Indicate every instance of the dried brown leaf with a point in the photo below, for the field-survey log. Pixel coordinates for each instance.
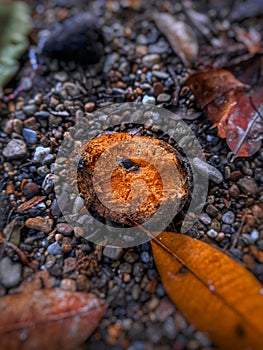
(180, 36)
(231, 108)
(48, 319)
(210, 85)
(214, 292)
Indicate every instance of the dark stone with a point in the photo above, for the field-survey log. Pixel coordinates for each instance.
(78, 38)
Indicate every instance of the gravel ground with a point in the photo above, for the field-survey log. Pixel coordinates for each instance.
(137, 67)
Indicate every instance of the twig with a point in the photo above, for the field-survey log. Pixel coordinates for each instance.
(237, 234)
(176, 85)
(18, 251)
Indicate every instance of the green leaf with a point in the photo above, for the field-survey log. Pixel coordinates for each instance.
(15, 25)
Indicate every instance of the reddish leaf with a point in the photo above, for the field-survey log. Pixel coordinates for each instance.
(48, 319)
(248, 71)
(208, 86)
(240, 118)
(218, 110)
(228, 105)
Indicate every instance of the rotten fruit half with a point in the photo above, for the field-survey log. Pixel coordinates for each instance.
(123, 177)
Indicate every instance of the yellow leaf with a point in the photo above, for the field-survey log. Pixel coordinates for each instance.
(214, 292)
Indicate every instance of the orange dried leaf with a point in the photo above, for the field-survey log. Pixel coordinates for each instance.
(48, 319)
(214, 292)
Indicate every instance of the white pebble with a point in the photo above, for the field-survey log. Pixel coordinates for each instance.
(212, 233)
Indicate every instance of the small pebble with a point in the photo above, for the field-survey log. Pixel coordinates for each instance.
(205, 218)
(27, 83)
(220, 236)
(18, 126)
(82, 283)
(58, 237)
(234, 191)
(113, 253)
(169, 328)
(15, 149)
(136, 291)
(54, 249)
(145, 257)
(212, 233)
(40, 153)
(226, 228)
(158, 89)
(159, 47)
(237, 253)
(78, 231)
(89, 106)
(48, 183)
(61, 76)
(163, 98)
(48, 159)
(42, 171)
(10, 273)
(39, 223)
(64, 228)
(211, 210)
(206, 169)
(151, 60)
(148, 99)
(228, 217)
(164, 309)
(160, 75)
(248, 185)
(260, 244)
(30, 110)
(30, 136)
(30, 190)
(68, 284)
(20, 115)
(254, 235)
(42, 115)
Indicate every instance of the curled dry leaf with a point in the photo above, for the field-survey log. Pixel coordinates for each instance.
(231, 108)
(180, 36)
(214, 292)
(48, 319)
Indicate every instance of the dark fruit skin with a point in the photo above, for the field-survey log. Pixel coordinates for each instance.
(78, 39)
